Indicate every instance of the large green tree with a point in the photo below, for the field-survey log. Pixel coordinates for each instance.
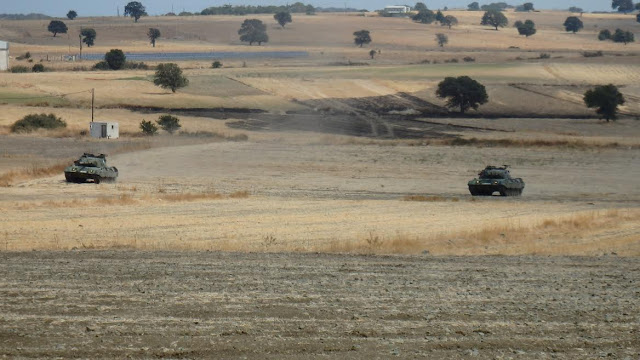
(72, 14)
(253, 30)
(624, 6)
(88, 36)
(169, 76)
(474, 6)
(57, 27)
(362, 37)
(462, 92)
(526, 28)
(283, 18)
(424, 17)
(527, 6)
(573, 24)
(420, 6)
(494, 18)
(153, 34)
(135, 9)
(621, 36)
(606, 98)
(449, 21)
(115, 58)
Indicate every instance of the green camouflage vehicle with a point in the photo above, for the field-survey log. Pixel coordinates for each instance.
(90, 167)
(496, 179)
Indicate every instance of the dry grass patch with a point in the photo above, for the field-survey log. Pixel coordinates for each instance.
(10, 178)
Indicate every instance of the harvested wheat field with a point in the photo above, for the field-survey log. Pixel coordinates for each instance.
(318, 206)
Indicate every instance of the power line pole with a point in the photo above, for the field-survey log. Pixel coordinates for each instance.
(93, 97)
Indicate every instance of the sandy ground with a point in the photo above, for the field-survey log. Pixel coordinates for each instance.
(328, 197)
(278, 306)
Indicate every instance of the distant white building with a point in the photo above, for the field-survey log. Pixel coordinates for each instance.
(4, 56)
(397, 9)
(104, 130)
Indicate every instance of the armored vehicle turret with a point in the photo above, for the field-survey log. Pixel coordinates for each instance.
(90, 167)
(496, 179)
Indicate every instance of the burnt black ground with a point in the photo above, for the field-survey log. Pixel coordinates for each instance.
(117, 304)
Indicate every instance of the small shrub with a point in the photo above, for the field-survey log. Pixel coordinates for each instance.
(26, 55)
(37, 121)
(79, 68)
(148, 128)
(169, 123)
(216, 64)
(38, 68)
(592, 53)
(135, 66)
(102, 65)
(468, 59)
(544, 56)
(19, 69)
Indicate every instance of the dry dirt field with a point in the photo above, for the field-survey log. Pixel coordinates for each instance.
(318, 207)
(87, 304)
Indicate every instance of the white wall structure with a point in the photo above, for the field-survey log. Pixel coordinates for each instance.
(397, 9)
(104, 130)
(4, 56)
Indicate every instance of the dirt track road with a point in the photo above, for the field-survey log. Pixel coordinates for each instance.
(228, 305)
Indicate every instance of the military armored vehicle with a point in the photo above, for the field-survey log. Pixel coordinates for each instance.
(496, 179)
(90, 167)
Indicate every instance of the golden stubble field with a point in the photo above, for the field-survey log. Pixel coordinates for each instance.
(299, 184)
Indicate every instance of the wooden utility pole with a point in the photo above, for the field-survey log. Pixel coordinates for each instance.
(93, 97)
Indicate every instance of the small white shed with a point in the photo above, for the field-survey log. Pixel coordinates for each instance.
(4, 56)
(104, 130)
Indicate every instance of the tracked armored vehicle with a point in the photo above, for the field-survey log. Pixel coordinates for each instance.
(90, 167)
(496, 179)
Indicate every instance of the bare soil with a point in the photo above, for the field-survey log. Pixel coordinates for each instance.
(94, 304)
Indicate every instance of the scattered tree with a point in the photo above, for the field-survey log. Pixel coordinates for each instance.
(439, 16)
(638, 6)
(527, 6)
(623, 6)
(442, 39)
(526, 28)
(216, 64)
(253, 31)
(169, 123)
(606, 98)
(115, 58)
(494, 18)
(72, 14)
(463, 92)
(575, 9)
(169, 76)
(88, 36)
(362, 37)
(573, 24)
(153, 34)
(621, 36)
(372, 53)
(474, 6)
(638, 17)
(148, 128)
(604, 34)
(38, 121)
(57, 27)
(282, 18)
(449, 21)
(420, 6)
(424, 17)
(135, 9)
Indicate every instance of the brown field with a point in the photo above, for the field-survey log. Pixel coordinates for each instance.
(318, 206)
